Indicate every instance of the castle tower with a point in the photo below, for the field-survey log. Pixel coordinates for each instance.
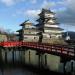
(48, 24)
(28, 33)
(49, 27)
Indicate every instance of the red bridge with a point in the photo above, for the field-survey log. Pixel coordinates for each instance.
(43, 47)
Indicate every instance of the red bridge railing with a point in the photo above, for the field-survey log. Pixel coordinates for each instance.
(62, 49)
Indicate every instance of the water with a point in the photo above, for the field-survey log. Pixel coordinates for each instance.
(21, 71)
(16, 71)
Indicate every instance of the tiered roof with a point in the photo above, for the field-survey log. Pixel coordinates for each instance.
(27, 22)
(45, 11)
(43, 20)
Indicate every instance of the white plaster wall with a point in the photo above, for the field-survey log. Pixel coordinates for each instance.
(52, 31)
(67, 67)
(49, 15)
(26, 57)
(3, 55)
(31, 38)
(49, 25)
(33, 58)
(9, 56)
(52, 62)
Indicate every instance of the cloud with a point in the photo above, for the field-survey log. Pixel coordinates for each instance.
(67, 16)
(65, 11)
(2, 29)
(32, 13)
(46, 4)
(18, 13)
(8, 2)
(33, 1)
(27, 14)
(12, 2)
(71, 4)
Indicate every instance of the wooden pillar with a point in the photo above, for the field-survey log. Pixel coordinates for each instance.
(1, 62)
(13, 55)
(23, 55)
(72, 68)
(5, 56)
(45, 60)
(74, 53)
(64, 64)
(63, 60)
(19, 54)
(29, 57)
(39, 57)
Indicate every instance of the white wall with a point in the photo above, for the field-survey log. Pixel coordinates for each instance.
(31, 38)
(49, 15)
(52, 62)
(48, 25)
(33, 57)
(52, 31)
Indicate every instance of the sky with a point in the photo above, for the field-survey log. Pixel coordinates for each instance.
(14, 12)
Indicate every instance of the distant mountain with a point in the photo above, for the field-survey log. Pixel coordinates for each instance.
(70, 33)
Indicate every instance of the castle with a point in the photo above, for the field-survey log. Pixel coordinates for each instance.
(47, 29)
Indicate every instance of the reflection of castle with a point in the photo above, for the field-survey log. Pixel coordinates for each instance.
(46, 28)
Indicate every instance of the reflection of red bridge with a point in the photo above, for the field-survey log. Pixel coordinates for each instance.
(42, 47)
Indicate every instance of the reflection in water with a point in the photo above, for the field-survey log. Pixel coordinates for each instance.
(16, 71)
(16, 57)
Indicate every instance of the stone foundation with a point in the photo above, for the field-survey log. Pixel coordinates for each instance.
(54, 41)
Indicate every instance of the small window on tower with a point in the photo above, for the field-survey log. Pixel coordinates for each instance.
(34, 37)
(25, 37)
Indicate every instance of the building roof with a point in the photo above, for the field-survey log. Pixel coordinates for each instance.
(53, 28)
(46, 10)
(19, 30)
(52, 23)
(50, 33)
(26, 22)
(32, 29)
(31, 34)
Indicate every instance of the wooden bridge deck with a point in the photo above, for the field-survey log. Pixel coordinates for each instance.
(60, 50)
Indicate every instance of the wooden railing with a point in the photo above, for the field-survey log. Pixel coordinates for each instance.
(44, 47)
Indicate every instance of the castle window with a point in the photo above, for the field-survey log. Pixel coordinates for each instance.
(50, 36)
(34, 37)
(25, 37)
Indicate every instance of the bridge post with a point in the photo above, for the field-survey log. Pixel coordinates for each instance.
(72, 64)
(72, 68)
(1, 62)
(39, 57)
(13, 55)
(45, 60)
(6, 55)
(23, 55)
(24, 52)
(64, 64)
(63, 60)
(20, 54)
(74, 52)
(29, 57)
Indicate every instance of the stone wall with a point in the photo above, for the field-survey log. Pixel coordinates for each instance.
(54, 41)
